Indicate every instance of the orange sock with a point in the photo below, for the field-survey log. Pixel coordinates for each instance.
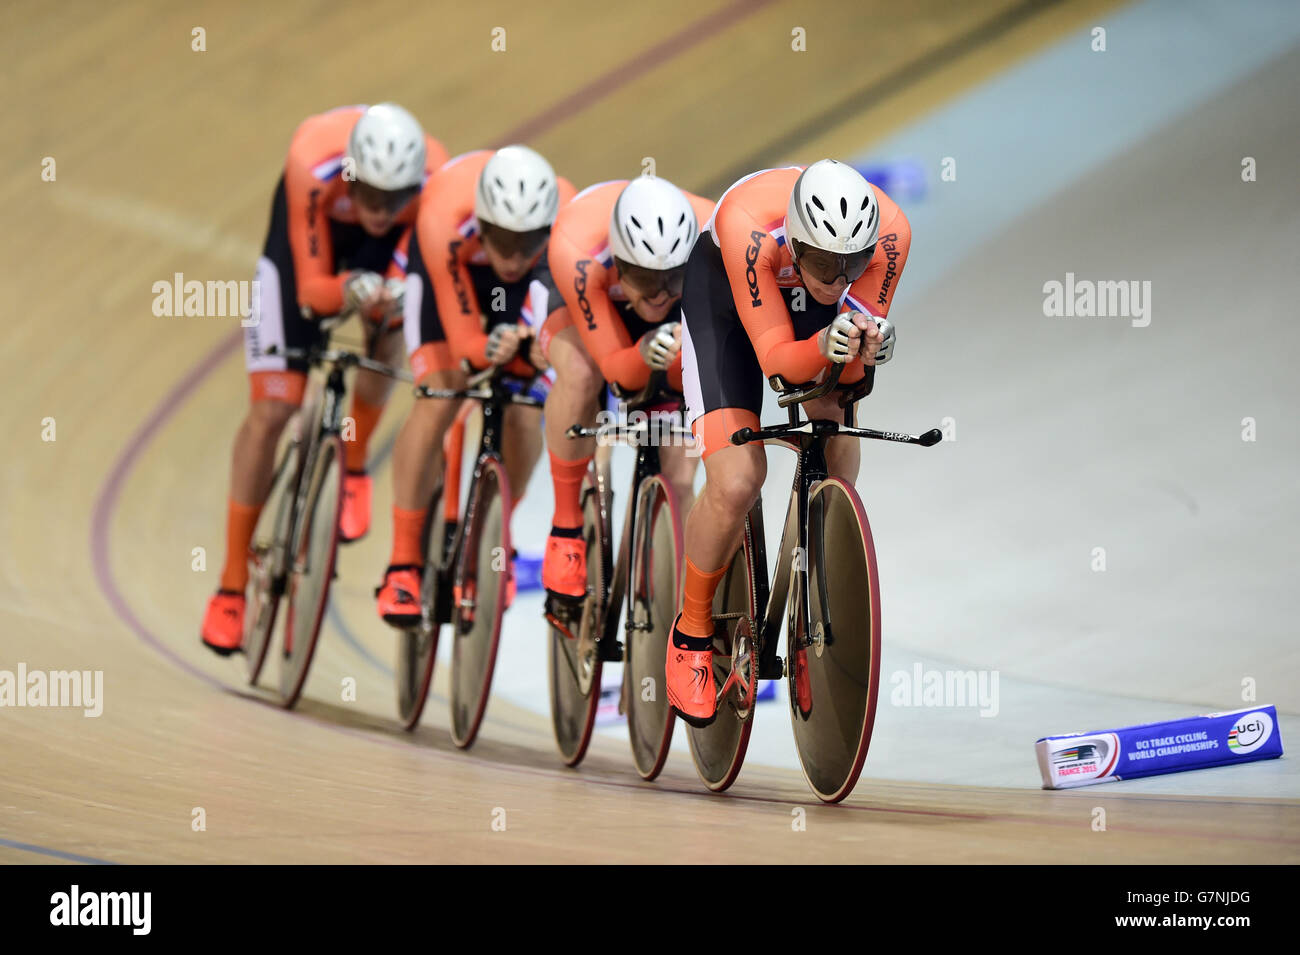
(407, 528)
(366, 416)
(697, 603)
(567, 477)
(241, 521)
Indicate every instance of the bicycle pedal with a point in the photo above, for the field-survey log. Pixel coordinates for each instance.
(609, 651)
(775, 671)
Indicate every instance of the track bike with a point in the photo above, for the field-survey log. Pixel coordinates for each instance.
(467, 562)
(647, 573)
(826, 588)
(296, 541)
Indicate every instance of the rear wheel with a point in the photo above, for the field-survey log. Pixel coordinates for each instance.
(479, 599)
(655, 587)
(417, 647)
(268, 560)
(835, 667)
(575, 667)
(316, 544)
(719, 748)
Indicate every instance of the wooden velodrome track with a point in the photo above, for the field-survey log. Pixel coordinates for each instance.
(165, 161)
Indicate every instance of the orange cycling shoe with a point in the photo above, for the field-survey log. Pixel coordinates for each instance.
(355, 520)
(223, 624)
(564, 568)
(689, 677)
(399, 595)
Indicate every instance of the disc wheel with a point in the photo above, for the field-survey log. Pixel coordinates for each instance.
(655, 586)
(479, 599)
(575, 667)
(834, 669)
(316, 544)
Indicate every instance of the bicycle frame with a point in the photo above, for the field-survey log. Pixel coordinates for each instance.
(788, 588)
(646, 466)
(489, 388)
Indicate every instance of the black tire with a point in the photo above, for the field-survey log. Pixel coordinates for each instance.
(479, 599)
(719, 748)
(268, 559)
(655, 581)
(574, 666)
(417, 647)
(315, 547)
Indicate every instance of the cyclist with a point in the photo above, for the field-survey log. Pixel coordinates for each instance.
(484, 221)
(797, 271)
(340, 216)
(617, 256)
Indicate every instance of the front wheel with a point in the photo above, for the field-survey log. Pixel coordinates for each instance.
(575, 666)
(655, 587)
(417, 647)
(719, 748)
(316, 544)
(268, 558)
(834, 668)
(479, 592)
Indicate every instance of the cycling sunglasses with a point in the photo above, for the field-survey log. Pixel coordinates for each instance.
(827, 267)
(389, 200)
(651, 282)
(509, 243)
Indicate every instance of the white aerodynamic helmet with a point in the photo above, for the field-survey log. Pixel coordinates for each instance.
(832, 207)
(517, 191)
(387, 148)
(653, 225)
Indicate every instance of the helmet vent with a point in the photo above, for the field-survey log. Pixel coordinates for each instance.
(830, 228)
(844, 207)
(865, 200)
(635, 222)
(661, 225)
(818, 203)
(855, 229)
(676, 243)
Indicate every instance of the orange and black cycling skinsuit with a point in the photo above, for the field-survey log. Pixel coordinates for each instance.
(582, 273)
(451, 286)
(314, 237)
(747, 315)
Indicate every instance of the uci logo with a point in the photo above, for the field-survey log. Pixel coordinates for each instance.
(1250, 733)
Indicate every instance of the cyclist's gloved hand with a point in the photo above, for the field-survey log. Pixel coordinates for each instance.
(840, 340)
(396, 289)
(503, 343)
(878, 345)
(660, 346)
(362, 291)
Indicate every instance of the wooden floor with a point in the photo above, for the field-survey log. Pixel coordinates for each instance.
(164, 161)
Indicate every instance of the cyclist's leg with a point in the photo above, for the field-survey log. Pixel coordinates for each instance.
(417, 453)
(276, 392)
(574, 399)
(723, 386)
